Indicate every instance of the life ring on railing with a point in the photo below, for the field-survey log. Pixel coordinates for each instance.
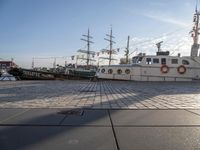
(181, 69)
(164, 69)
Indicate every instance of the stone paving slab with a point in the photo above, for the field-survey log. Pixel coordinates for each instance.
(89, 117)
(35, 129)
(158, 138)
(34, 117)
(197, 111)
(56, 138)
(6, 114)
(154, 118)
(100, 95)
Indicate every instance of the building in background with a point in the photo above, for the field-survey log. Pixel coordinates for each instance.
(7, 64)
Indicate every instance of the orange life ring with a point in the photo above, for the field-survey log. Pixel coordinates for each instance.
(181, 69)
(164, 69)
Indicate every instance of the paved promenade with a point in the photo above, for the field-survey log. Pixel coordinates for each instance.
(100, 95)
(104, 115)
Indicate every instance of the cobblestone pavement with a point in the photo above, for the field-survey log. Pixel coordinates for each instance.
(100, 95)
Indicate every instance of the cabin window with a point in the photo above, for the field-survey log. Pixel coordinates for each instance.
(140, 59)
(119, 71)
(110, 71)
(163, 61)
(127, 71)
(156, 61)
(185, 62)
(148, 61)
(174, 61)
(103, 70)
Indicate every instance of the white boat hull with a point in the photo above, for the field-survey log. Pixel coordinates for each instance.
(149, 74)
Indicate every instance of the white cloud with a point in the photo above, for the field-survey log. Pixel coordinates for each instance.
(174, 43)
(157, 3)
(166, 19)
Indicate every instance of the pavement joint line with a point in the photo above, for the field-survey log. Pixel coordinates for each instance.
(63, 119)
(113, 131)
(14, 116)
(40, 125)
(158, 126)
(192, 112)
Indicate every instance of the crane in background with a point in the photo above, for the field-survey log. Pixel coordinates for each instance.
(48, 58)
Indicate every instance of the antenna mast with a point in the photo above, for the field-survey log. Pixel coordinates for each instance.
(195, 34)
(87, 52)
(33, 63)
(127, 50)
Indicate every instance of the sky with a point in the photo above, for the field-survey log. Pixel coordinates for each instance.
(53, 28)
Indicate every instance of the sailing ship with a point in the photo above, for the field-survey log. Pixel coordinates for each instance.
(88, 70)
(159, 67)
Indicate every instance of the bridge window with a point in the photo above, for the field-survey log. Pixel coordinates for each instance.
(127, 71)
(148, 61)
(119, 71)
(185, 62)
(140, 60)
(110, 71)
(163, 61)
(174, 61)
(137, 60)
(103, 70)
(156, 61)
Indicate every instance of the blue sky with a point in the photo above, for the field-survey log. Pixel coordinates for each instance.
(45, 28)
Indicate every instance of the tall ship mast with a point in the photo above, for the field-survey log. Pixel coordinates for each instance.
(109, 51)
(88, 52)
(195, 34)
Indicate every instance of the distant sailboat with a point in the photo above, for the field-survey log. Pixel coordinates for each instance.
(7, 77)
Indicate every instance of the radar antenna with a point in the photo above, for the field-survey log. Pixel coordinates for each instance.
(159, 45)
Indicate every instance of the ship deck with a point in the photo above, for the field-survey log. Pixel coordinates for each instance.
(114, 115)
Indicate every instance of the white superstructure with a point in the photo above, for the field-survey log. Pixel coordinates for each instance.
(160, 67)
(154, 68)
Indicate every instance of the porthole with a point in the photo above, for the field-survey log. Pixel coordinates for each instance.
(127, 71)
(103, 70)
(110, 71)
(119, 71)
